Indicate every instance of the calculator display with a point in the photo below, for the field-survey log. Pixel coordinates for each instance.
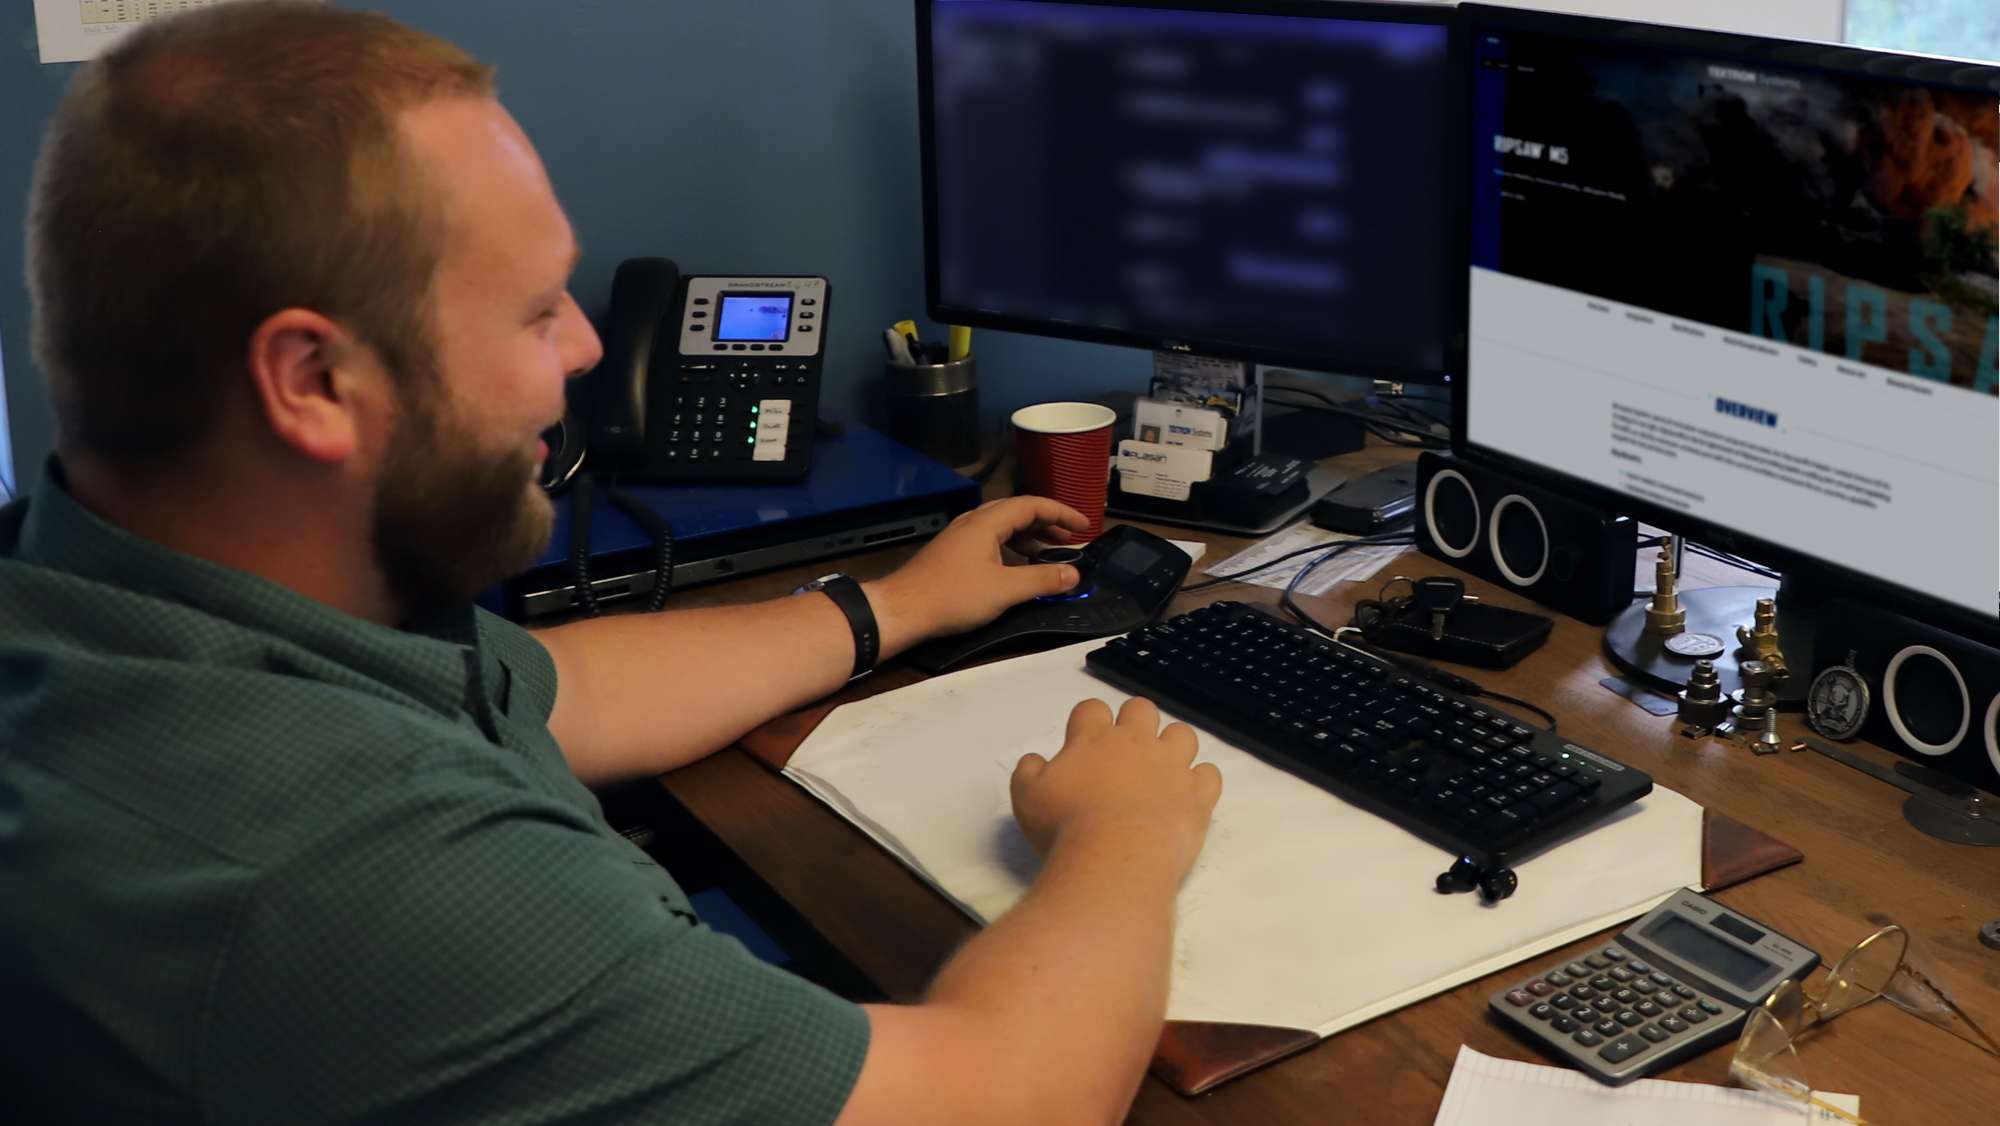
(1678, 935)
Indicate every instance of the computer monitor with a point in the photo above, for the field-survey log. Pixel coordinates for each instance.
(1258, 181)
(1744, 289)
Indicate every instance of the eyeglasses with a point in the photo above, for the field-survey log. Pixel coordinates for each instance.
(1767, 1055)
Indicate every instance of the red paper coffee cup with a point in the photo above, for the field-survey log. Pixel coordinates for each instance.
(1063, 451)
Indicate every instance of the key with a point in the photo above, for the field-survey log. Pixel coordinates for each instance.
(1440, 595)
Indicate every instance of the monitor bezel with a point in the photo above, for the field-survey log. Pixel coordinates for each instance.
(1456, 165)
(1823, 574)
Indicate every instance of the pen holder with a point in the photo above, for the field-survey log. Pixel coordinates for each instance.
(934, 409)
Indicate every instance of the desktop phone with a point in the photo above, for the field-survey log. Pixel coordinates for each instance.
(1674, 984)
(709, 377)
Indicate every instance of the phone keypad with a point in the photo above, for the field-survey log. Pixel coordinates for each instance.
(727, 410)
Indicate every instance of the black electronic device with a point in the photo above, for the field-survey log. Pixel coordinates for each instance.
(1375, 503)
(1128, 575)
(1269, 182)
(1929, 695)
(1680, 312)
(1676, 983)
(1528, 538)
(1443, 765)
(708, 378)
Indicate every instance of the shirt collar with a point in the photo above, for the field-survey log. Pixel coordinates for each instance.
(428, 662)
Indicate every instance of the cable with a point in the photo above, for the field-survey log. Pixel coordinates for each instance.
(579, 545)
(1736, 561)
(663, 544)
(1372, 422)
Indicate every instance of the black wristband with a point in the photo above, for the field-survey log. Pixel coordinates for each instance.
(853, 602)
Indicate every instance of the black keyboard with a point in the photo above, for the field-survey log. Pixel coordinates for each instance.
(1440, 764)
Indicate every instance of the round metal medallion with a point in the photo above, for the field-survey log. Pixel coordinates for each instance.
(1838, 702)
(1694, 645)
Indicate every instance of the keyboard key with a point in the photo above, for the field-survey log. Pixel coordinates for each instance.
(1622, 1049)
(1653, 1032)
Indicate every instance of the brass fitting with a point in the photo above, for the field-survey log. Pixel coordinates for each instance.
(1760, 640)
(1666, 616)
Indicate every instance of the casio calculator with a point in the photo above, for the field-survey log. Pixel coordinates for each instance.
(1674, 984)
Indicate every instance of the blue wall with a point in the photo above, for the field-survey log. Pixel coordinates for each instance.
(774, 136)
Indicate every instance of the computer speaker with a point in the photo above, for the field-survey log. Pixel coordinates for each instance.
(1561, 553)
(1933, 696)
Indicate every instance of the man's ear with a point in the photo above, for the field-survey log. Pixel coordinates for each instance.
(303, 367)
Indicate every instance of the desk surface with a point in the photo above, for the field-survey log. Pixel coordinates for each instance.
(1863, 865)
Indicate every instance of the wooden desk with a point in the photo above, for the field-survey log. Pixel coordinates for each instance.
(1863, 865)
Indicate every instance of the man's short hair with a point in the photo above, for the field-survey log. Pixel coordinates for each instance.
(211, 170)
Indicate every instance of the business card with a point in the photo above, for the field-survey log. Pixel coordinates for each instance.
(1153, 469)
(1175, 424)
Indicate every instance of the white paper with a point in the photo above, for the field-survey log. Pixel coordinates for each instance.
(1353, 565)
(1195, 549)
(1303, 911)
(1485, 1091)
(74, 30)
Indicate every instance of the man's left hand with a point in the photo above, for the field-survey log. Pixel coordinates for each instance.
(959, 580)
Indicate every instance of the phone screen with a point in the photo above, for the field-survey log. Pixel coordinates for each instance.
(754, 316)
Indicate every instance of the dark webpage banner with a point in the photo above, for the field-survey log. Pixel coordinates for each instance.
(1854, 218)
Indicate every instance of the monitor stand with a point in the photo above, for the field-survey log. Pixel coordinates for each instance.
(1716, 612)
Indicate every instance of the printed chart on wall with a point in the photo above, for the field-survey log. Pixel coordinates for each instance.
(74, 30)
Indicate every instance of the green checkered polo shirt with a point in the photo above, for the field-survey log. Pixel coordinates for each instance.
(262, 861)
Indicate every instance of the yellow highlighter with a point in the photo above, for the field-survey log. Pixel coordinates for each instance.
(958, 342)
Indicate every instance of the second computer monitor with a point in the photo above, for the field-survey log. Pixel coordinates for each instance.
(1263, 181)
(1743, 288)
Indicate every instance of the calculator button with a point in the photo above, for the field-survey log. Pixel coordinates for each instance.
(1652, 1032)
(1607, 1027)
(1542, 1011)
(1558, 979)
(1666, 999)
(1710, 1007)
(1630, 1019)
(1693, 1015)
(1588, 1038)
(1647, 1009)
(1638, 967)
(1604, 1005)
(1541, 988)
(1519, 998)
(1614, 953)
(1620, 973)
(1684, 991)
(1603, 983)
(1577, 969)
(1597, 961)
(1622, 1049)
(1673, 1024)
(1563, 1024)
(1563, 1001)
(1582, 992)
(1660, 979)
(1625, 996)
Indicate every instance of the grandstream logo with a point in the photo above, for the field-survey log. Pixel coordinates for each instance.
(1745, 412)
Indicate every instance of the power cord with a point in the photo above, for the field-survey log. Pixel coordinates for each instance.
(1398, 537)
(1385, 427)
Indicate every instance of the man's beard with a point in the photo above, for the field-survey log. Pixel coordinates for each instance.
(451, 517)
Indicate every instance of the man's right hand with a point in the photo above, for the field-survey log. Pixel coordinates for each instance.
(1127, 777)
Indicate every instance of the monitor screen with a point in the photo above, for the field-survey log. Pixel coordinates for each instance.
(1250, 184)
(754, 316)
(1746, 284)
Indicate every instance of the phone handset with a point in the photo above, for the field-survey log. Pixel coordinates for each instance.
(643, 296)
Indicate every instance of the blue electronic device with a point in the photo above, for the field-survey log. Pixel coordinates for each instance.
(864, 490)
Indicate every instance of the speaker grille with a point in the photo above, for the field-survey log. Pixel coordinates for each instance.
(1451, 508)
(1520, 540)
(1925, 698)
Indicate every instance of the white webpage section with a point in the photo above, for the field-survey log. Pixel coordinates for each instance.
(1890, 474)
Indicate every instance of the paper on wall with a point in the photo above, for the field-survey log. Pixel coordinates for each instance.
(74, 30)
